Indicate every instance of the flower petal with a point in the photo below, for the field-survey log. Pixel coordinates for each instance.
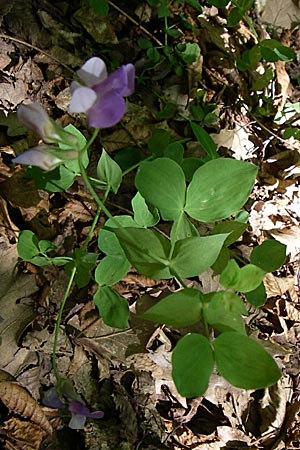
(82, 100)
(34, 117)
(93, 71)
(39, 157)
(77, 422)
(78, 408)
(107, 111)
(130, 73)
(120, 81)
(51, 399)
(95, 415)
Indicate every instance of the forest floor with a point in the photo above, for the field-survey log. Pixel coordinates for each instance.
(126, 373)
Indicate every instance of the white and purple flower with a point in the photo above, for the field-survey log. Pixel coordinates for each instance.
(102, 96)
(76, 407)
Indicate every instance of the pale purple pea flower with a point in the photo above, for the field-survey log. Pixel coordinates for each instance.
(35, 118)
(77, 408)
(46, 157)
(102, 97)
(80, 413)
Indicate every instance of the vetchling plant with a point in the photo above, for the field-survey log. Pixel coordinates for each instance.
(184, 192)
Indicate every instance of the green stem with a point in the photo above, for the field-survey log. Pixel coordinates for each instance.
(95, 221)
(179, 279)
(235, 256)
(166, 34)
(92, 190)
(94, 135)
(95, 195)
(58, 322)
(136, 165)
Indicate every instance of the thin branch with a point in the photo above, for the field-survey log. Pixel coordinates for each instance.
(144, 30)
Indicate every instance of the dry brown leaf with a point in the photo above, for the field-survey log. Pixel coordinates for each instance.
(20, 402)
(77, 210)
(289, 237)
(21, 435)
(280, 13)
(284, 81)
(22, 193)
(277, 285)
(140, 280)
(15, 315)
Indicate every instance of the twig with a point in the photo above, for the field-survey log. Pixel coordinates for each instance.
(5, 36)
(144, 30)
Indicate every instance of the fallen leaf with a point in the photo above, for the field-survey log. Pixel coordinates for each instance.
(19, 401)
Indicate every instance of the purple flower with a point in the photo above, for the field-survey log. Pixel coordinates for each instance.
(102, 97)
(46, 157)
(34, 117)
(77, 408)
(79, 414)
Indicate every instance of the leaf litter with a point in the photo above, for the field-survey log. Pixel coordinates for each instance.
(128, 372)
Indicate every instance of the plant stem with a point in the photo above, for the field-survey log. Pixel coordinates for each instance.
(136, 165)
(183, 284)
(92, 190)
(95, 221)
(94, 135)
(58, 322)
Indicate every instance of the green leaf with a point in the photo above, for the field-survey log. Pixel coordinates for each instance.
(182, 228)
(73, 165)
(224, 310)
(194, 255)
(56, 180)
(236, 14)
(195, 4)
(263, 80)
(189, 52)
(41, 261)
(144, 43)
(109, 244)
(269, 256)
(142, 214)
(162, 183)
(60, 260)
(163, 10)
(146, 250)
(177, 310)
(272, 50)
(109, 171)
(205, 140)
(27, 245)
(174, 151)
(234, 17)
(84, 262)
(219, 3)
(153, 54)
(244, 362)
(192, 365)
(222, 260)
(159, 141)
(111, 269)
(100, 7)
(189, 166)
(236, 229)
(219, 188)
(258, 296)
(45, 246)
(244, 279)
(112, 307)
